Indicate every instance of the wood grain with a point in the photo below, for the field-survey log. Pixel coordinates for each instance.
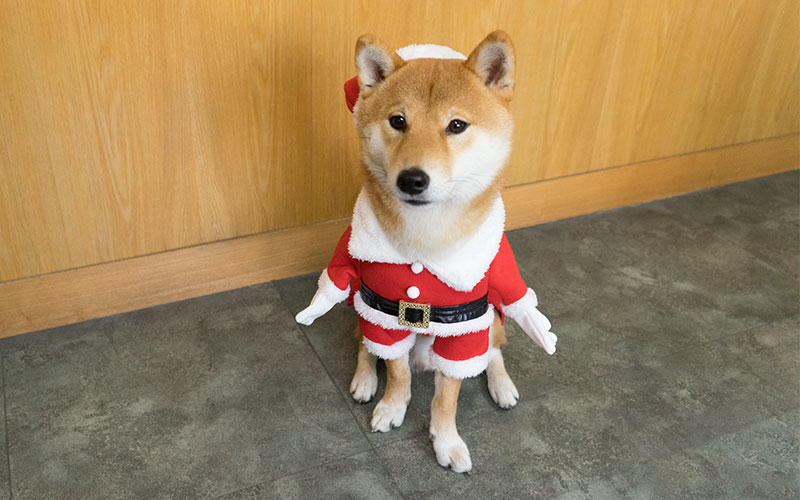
(131, 128)
(103, 289)
(70, 296)
(564, 197)
(137, 127)
(599, 84)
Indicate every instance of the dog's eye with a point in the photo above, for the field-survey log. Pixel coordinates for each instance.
(397, 122)
(457, 126)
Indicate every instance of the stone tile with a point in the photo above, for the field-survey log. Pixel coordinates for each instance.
(187, 400)
(770, 352)
(333, 338)
(634, 434)
(701, 394)
(696, 395)
(499, 469)
(759, 461)
(708, 471)
(585, 441)
(360, 476)
(762, 216)
(649, 282)
(770, 451)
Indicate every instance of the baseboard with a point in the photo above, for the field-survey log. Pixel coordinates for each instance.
(557, 199)
(71, 296)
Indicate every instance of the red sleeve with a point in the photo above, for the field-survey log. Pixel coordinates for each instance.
(342, 267)
(505, 282)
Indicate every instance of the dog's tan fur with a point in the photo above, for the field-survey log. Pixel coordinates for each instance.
(430, 93)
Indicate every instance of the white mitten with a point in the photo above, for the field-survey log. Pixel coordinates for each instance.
(532, 322)
(327, 296)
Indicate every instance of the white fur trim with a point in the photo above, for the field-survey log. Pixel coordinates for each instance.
(388, 321)
(368, 242)
(460, 369)
(461, 266)
(393, 351)
(329, 289)
(518, 308)
(430, 51)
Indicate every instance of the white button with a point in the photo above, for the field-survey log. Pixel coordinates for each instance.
(416, 267)
(412, 292)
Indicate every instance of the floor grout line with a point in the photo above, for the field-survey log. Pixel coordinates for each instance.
(278, 478)
(5, 423)
(333, 460)
(344, 398)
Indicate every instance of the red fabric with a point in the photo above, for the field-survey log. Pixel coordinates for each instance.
(383, 336)
(462, 347)
(342, 269)
(351, 90)
(507, 285)
(458, 348)
(502, 281)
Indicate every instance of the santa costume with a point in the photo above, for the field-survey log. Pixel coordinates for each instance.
(449, 297)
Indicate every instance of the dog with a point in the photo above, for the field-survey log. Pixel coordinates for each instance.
(425, 260)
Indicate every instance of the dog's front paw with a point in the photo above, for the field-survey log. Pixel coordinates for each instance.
(503, 391)
(451, 451)
(385, 416)
(364, 385)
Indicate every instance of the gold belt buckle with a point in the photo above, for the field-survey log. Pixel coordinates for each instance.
(426, 314)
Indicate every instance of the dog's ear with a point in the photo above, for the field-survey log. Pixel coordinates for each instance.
(375, 61)
(493, 61)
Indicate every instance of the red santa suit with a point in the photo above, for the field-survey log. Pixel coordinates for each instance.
(482, 264)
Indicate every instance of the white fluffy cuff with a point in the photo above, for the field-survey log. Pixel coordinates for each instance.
(460, 369)
(516, 309)
(393, 351)
(329, 290)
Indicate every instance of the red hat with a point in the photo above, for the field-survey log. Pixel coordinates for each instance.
(351, 90)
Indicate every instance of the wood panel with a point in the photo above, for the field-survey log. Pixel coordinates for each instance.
(76, 295)
(599, 83)
(140, 126)
(556, 199)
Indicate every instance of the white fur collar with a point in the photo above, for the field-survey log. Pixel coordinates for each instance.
(461, 267)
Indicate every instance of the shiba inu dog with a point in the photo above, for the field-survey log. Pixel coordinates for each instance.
(425, 260)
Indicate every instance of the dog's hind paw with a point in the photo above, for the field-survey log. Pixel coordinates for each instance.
(452, 452)
(420, 358)
(364, 386)
(386, 416)
(503, 391)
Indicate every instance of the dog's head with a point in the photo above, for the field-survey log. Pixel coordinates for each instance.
(435, 131)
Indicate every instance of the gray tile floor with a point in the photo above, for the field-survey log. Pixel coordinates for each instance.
(677, 376)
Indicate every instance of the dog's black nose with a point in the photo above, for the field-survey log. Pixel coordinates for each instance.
(413, 180)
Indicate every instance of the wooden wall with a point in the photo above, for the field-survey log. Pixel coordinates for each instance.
(134, 127)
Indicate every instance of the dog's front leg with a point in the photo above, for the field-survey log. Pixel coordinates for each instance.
(391, 409)
(365, 380)
(451, 451)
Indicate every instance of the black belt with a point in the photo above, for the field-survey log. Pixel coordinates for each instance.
(420, 315)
